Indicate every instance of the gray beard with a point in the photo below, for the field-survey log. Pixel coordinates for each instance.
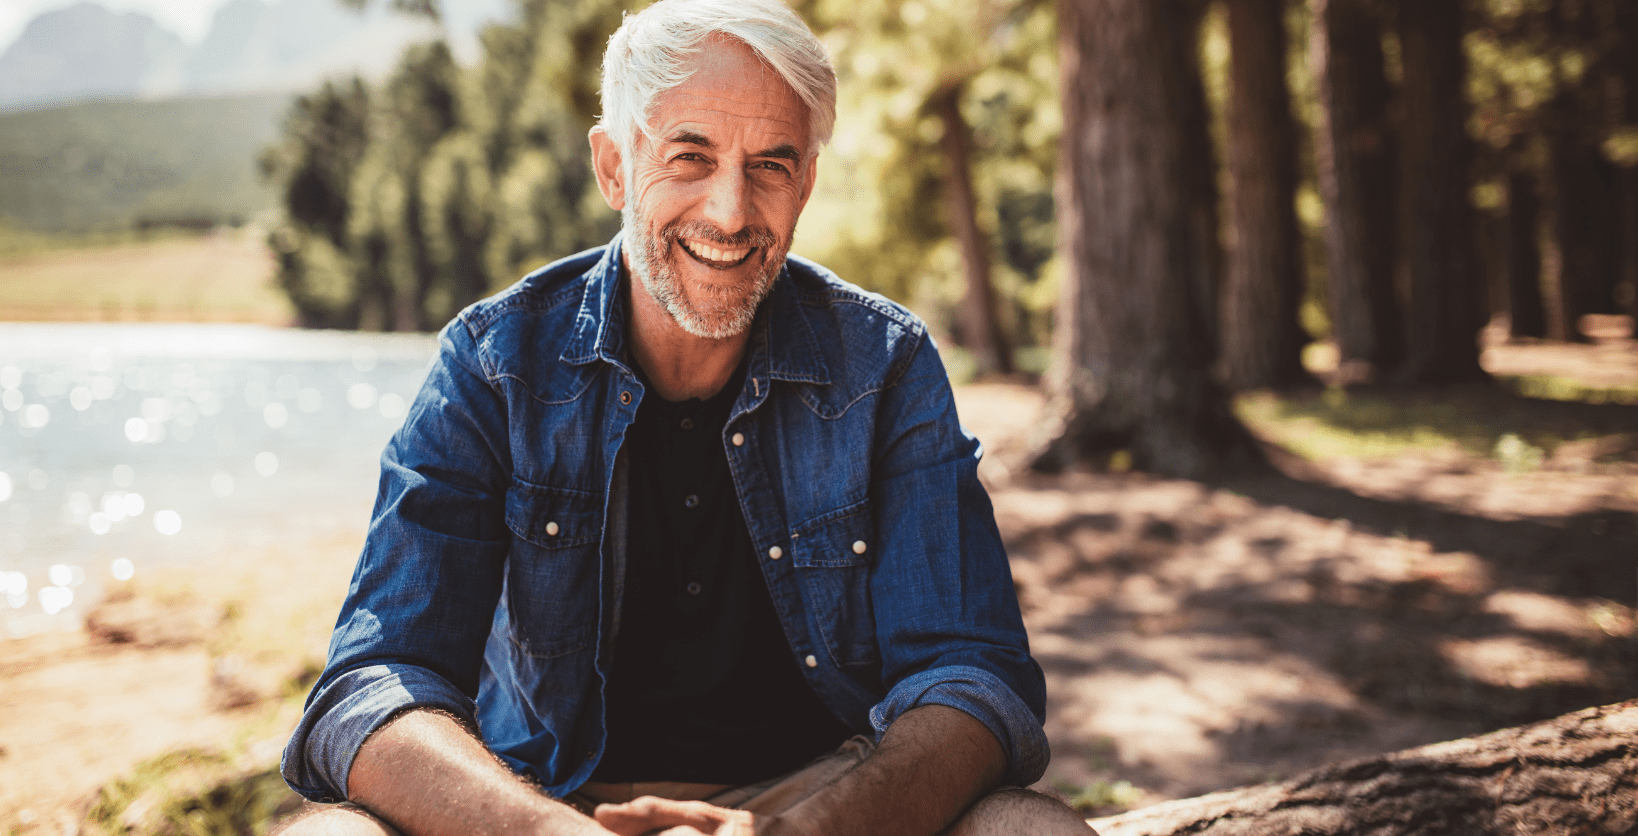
(647, 250)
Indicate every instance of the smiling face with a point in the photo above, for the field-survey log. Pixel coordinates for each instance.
(710, 204)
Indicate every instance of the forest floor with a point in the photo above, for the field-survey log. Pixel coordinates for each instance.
(1421, 568)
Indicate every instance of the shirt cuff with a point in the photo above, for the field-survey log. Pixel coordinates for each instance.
(320, 754)
(989, 700)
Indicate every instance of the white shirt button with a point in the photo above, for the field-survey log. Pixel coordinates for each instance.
(812, 662)
(858, 547)
(738, 439)
(551, 529)
(775, 553)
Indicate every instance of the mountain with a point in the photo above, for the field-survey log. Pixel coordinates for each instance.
(253, 45)
(110, 165)
(87, 51)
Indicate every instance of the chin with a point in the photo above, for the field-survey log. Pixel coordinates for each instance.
(699, 308)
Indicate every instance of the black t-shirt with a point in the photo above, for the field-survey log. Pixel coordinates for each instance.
(704, 687)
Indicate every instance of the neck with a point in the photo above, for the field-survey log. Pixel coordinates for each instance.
(678, 364)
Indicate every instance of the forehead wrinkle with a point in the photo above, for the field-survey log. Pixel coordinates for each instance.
(703, 129)
(726, 97)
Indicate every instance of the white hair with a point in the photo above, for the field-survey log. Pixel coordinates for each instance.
(649, 53)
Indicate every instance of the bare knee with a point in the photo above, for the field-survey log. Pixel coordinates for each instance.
(1015, 810)
(334, 820)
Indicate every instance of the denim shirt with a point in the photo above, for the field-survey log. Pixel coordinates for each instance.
(490, 579)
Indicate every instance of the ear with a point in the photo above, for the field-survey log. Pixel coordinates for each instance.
(606, 165)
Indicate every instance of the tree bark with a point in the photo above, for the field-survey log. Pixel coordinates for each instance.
(1354, 150)
(1585, 204)
(1262, 338)
(1577, 774)
(1626, 68)
(1522, 257)
(1445, 299)
(980, 319)
(1134, 344)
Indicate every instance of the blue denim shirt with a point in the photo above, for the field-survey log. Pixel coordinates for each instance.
(490, 580)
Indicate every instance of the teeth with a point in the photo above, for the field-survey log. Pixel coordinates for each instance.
(710, 253)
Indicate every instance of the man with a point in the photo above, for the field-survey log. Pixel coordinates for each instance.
(685, 528)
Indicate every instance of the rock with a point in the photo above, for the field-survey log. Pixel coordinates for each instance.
(144, 623)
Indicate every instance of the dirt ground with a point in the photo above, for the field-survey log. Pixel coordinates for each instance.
(1194, 636)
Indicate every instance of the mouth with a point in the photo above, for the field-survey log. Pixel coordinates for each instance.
(715, 256)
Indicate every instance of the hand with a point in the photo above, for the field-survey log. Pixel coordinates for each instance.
(652, 815)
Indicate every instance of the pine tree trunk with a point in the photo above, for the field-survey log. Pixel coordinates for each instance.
(980, 319)
(1354, 149)
(1523, 257)
(1577, 774)
(1626, 60)
(1584, 206)
(1134, 344)
(1262, 338)
(1445, 300)
(1626, 288)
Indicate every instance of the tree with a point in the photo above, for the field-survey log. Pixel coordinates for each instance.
(1574, 774)
(1522, 258)
(327, 135)
(1445, 307)
(1264, 281)
(1354, 151)
(454, 180)
(952, 113)
(1135, 342)
(980, 319)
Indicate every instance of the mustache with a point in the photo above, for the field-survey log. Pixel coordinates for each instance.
(751, 236)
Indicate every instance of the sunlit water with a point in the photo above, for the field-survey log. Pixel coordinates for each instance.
(123, 447)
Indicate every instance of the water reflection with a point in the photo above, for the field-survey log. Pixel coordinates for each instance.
(125, 445)
(167, 522)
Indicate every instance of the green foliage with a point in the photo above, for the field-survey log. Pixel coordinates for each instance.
(190, 792)
(880, 213)
(407, 202)
(105, 166)
(1100, 797)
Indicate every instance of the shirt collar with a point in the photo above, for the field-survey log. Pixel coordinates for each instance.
(782, 341)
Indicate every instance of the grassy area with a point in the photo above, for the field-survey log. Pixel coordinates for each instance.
(1553, 388)
(191, 792)
(225, 276)
(1484, 421)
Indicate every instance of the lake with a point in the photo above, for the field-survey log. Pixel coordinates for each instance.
(128, 446)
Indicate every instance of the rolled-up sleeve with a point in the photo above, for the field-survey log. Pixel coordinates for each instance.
(350, 709)
(947, 616)
(412, 629)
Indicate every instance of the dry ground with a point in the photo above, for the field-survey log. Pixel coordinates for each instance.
(226, 276)
(1194, 636)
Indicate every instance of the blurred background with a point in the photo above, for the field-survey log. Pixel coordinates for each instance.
(228, 229)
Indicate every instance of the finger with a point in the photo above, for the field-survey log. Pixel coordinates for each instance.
(650, 813)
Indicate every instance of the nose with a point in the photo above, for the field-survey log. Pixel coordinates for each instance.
(728, 201)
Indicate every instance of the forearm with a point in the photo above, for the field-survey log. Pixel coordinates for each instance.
(424, 773)
(932, 764)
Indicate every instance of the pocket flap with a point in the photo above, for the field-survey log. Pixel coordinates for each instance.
(838, 538)
(553, 518)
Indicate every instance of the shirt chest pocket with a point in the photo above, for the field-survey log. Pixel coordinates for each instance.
(832, 558)
(553, 568)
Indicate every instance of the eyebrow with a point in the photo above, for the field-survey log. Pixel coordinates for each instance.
(782, 151)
